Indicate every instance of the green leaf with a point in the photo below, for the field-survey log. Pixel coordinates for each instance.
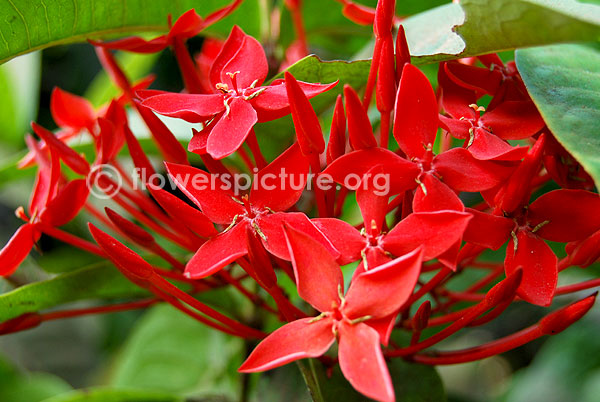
(484, 26)
(169, 351)
(412, 383)
(36, 24)
(564, 83)
(114, 395)
(101, 281)
(19, 85)
(28, 387)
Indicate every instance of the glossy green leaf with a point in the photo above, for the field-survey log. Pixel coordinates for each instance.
(115, 395)
(36, 24)
(171, 352)
(564, 82)
(484, 26)
(101, 281)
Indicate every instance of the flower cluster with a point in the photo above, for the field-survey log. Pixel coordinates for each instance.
(435, 149)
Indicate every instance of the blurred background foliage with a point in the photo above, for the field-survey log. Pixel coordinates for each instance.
(161, 355)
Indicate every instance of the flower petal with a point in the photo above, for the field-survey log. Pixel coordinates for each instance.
(382, 290)
(273, 102)
(135, 44)
(514, 120)
(197, 185)
(487, 146)
(462, 172)
(299, 339)
(194, 108)
(280, 184)
(218, 252)
(571, 215)
(271, 226)
(318, 277)
(539, 264)
(416, 120)
(344, 237)
(487, 230)
(251, 62)
(455, 98)
(228, 50)
(438, 196)
(435, 231)
(349, 169)
(67, 204)
(474, 78)
(17, 249)
(231, 130)
(69, 110)
(362, 362)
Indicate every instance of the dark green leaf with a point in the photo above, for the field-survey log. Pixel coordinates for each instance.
(36, 24)
(564, 82)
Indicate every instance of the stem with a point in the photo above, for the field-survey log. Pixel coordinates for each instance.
(308, 370)
(252, 142)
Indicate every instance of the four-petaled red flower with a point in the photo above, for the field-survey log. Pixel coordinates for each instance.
(372, 295)
(238, 100)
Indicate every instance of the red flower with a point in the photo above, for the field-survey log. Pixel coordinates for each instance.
(415, 127)
(372, 295)
(434, 231)
(261, 211)
(238, 102)
(51, 204)
(486, 134)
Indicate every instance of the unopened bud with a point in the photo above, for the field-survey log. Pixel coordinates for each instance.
(561, 319)
(504, 290)
(421, 317)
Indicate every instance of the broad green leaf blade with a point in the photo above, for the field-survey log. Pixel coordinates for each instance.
(484, 26)
(101, 394)
(101, 281)
(171, 352)
(36, 24)
(564, 83)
